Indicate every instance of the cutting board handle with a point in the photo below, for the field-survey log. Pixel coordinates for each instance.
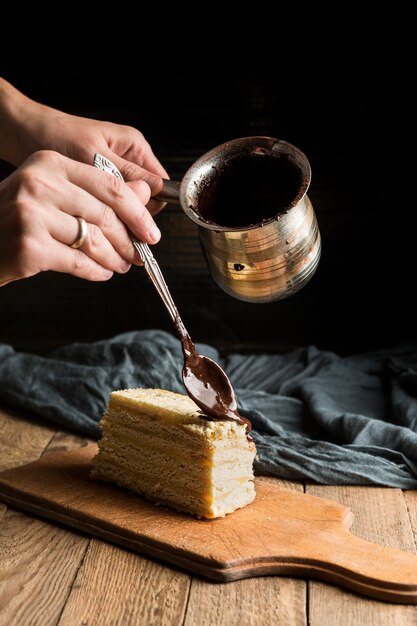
(371, 569)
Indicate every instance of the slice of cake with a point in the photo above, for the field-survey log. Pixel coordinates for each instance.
(158, 444)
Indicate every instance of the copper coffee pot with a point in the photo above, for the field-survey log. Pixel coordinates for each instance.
(276, 250)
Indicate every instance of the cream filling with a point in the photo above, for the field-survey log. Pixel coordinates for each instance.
(172, 477)
(139, 481)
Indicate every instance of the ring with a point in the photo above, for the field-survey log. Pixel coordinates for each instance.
(82, 232)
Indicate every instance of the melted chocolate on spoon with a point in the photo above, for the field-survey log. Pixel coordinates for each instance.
(207, 384)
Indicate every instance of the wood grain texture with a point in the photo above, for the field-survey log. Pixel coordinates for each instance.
(281, 532)
(63, 441)
(22, 440)
(115, 586)
(380, 515)
(32, 606)
(39, 563)
(411, 503)
(252, 602)
(271, 601)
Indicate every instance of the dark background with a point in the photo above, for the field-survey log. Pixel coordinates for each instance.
(349, 106)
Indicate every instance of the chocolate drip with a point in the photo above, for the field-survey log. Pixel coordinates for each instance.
(208, 385)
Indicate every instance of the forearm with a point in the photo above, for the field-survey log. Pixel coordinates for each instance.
(20, 121)
(27, 127)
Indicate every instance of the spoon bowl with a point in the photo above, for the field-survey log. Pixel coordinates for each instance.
(208, 385)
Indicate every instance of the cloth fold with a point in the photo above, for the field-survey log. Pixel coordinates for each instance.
(315, 415)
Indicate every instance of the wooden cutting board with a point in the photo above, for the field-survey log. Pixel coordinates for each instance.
(281, 532)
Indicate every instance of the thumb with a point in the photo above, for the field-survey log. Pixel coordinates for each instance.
(131, 171)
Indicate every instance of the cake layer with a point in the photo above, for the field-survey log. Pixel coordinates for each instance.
(157, 404)
(160, 493)
(182, 451)
(189, 475)
(158, 444)
(195, 425)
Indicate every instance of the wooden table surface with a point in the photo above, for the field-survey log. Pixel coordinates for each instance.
(52, 575)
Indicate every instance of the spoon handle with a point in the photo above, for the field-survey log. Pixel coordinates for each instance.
(155, 274)
(149, 262)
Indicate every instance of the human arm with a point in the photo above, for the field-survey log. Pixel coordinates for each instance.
(27, 126)
(40, 200)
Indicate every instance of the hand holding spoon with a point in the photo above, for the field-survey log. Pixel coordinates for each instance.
(205, 381)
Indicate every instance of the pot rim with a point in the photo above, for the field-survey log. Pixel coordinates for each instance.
(197, 172)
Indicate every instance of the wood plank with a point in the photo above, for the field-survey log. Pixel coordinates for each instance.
(62, 441)
(22, 439)
(39, 563)
(39, 560)
(115, 586)
(252, 602)
(33, 606)
(281, 482)
(103, 591)
(380, 516)
(411, 503)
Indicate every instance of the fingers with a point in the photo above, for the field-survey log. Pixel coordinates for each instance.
(61, 258)
(128, 204)
(132, 172)
(153, 206)
(44, 197)
(151, 163)
(99, 216)
(31, 248)
(141, 154)
(64, 229)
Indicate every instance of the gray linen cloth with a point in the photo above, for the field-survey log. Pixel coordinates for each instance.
(315, 415)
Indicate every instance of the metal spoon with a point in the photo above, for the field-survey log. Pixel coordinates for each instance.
(205, 381)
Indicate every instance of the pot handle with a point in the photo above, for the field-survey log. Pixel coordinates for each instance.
(170, 191)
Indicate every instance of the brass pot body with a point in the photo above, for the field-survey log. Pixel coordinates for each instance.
(267, 263)
(260, 262)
